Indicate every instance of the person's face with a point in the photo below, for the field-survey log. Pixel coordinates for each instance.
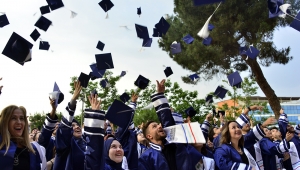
(290, 128)
(217, 131)
(276, 134)
(16, 123)
(76, 130)
(235, 131)
(55, 129)
(268, 133)
(34, 131)
(156, 132)
(246, 128)
(141, 138)
(116, 152)
(281, 111)
(31, 137)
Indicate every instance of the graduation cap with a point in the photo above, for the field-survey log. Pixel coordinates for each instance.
(142, 31)
(124, 97)
(194, 77)
(209, 99)
(175, 48)
(56, 95)
(156, 33)
(191, 112)
(95, 72)
(45, 9)
(285, 11)
(274, 8)
(84, 79)
(162, 26)
(43, 23)
(220, 92)
(35, 35)
(211, 27)
(104, 61)
(243, 50)
(55, 4)
(100, 45)
(168, 71)
(207, 41)
(222, 112)
(123, 73)
(44, 45)
(215, 113)
(3, 21)
(296, 22)
(235, 79)
(94, 92)
(106, 5)
(204, 32)
(188, 39)
(104, 83)
(120, 114)
(147, 42)
(252, 52)
(141, 82)
(204, 2)
(139, 11)
(18, 49)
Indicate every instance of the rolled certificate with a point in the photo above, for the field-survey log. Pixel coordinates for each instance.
(185, 133)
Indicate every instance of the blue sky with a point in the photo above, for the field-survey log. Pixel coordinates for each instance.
(74, 40)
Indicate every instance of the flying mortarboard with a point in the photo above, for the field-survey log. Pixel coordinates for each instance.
(94, 92)
(55, 4)
(123, 73)
(194, 77)
(3, 21)
(124, 97)
(120, 114)
(18, 49)
(175, 48)
(147, 42)
(168, 71)
(296, 22)
(207, 41)
(104, 61)
(220, 92)
(44, 45)
(243, 50)
(35, 35)
(95, 72)
(141, 82)
(56, 95)
(106, 5)
(162, 26)
(156, 33)
(274, 10)
(191, 112)
(188, 39)
(84, 79)
(211, 27)
(252, 52)
(204, 2)
(139, 11)
(100, 45)
(234, 79)
(45, 9)
(142, 31)
(43, 23)
(209, 99)
(104, 83)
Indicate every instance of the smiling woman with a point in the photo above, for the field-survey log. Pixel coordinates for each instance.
(16, 152)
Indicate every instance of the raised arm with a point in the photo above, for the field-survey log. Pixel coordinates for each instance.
(206, 125)
(161, 106)
(94, 132)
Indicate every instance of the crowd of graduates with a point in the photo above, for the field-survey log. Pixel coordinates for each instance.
(99, 146)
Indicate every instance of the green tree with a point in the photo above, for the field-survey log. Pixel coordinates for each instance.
(236, 24)
(37, 119)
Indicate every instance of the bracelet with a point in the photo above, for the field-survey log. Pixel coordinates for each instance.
(249, 108)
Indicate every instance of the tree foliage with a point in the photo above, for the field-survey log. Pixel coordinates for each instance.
(37, 119)
(237, 23)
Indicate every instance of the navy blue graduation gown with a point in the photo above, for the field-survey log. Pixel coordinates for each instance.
(6, 161)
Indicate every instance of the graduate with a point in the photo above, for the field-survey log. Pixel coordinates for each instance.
(16, 151)
(69, 144)
(161, 155)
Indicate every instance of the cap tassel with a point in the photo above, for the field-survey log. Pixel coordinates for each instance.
(106, 12)
(73, 14)
(34, 14)
(125, 26)
(108, 65)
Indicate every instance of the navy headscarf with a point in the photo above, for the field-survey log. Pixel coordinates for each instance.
(108, 161)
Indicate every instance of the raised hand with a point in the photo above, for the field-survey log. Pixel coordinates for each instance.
(134, 97)
(77, 90)
(161, 86)
(208, 117)
(269, 121)
(95, 103)
(52, 113)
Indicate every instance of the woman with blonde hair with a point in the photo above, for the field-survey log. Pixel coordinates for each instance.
(16, 151)
(231, 153)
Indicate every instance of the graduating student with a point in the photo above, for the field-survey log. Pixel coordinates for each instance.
(69, 144)
(161, 155)
(16, 151)
(142, 143)
(232, 154)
